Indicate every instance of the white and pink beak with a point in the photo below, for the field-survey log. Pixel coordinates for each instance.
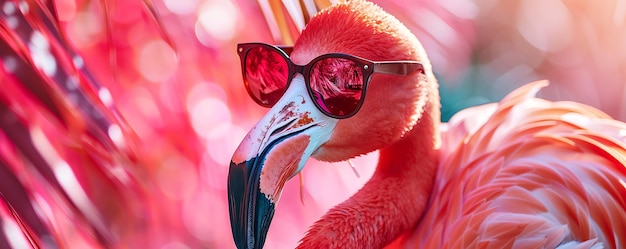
(272, 152)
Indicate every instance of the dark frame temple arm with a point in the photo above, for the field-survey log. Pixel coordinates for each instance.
(398, 67)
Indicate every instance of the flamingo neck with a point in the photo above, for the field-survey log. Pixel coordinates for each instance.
(392, 201)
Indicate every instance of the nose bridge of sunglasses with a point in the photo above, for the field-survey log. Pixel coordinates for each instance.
(298, 93)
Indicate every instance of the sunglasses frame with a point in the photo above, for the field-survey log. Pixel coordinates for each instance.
(368, 68)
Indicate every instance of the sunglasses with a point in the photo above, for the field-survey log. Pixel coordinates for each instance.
(335, 82)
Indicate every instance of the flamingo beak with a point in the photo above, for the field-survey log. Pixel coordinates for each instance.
(272, 152)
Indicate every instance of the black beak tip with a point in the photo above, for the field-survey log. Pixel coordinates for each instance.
(251, 212)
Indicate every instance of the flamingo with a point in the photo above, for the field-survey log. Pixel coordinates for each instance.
(521, 173)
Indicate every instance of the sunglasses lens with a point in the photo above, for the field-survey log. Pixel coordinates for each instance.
(266, 72)
(337, 85)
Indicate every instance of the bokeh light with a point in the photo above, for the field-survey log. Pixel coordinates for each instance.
(156, 61)
(84, 28)
(218, 19)
(181, 7)
(183, 97)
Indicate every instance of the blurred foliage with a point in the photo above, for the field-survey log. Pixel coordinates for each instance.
(162, 106)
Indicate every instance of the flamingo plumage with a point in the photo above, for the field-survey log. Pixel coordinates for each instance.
(521, 173)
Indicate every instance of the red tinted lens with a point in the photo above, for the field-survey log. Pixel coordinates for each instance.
(337, 85)
(266, 73)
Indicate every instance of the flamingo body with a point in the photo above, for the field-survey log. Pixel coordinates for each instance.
(522, 173)
(527, 173)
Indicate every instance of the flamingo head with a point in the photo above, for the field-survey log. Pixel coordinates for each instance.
(294, 129)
